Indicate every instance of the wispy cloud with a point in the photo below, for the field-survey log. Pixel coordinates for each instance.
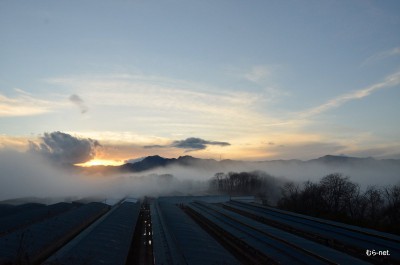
(23, 104)
(19, 143)
(389, 81)
(150, 91)
(257, 73)
(306, 150)
(169, 104)
(382, 55)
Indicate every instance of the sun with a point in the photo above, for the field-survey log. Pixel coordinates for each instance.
(100, 162)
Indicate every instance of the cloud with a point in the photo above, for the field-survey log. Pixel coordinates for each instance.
(14, 142)
(134, 160)
(165, 104)
(25, 174)
(389, 81)
(64, 148)
(257, 73)
(156, 93)
(23, 105)
(196, 143)
(155, 146)
(190, 144)
(306, 150)
(382, 55)
(79, 103)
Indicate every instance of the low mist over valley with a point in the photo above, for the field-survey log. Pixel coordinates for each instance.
(361, 191)
(38, 174)
(158, 132)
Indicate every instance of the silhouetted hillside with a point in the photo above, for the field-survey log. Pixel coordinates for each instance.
(363, 170)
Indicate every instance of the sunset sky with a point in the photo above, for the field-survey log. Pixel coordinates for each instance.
(250, 80)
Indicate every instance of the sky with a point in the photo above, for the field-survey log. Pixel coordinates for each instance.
(249, 80)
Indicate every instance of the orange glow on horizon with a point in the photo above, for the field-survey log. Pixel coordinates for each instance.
(101, 162)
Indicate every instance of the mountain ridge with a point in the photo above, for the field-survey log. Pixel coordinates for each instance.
(156, 162)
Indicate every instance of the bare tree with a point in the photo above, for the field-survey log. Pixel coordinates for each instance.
(392, 211)
(337, 192)
(290, 196)
(312, 199)
(374, 204)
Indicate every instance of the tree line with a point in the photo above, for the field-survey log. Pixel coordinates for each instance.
(257, 183)
(334, 197)
(337, 198)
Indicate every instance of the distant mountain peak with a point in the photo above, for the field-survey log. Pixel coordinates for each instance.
(333, 161)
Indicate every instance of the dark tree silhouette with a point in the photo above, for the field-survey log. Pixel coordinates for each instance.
(336, 197)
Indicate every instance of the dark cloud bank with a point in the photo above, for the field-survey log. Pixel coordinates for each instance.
(64, 148)
(190, 144)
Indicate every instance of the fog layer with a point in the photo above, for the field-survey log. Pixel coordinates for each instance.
(32, 175)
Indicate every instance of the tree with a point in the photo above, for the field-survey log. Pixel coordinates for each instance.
(311, 198)
(392, 211)
(337, 192)
(374, 204)
(290, 196)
